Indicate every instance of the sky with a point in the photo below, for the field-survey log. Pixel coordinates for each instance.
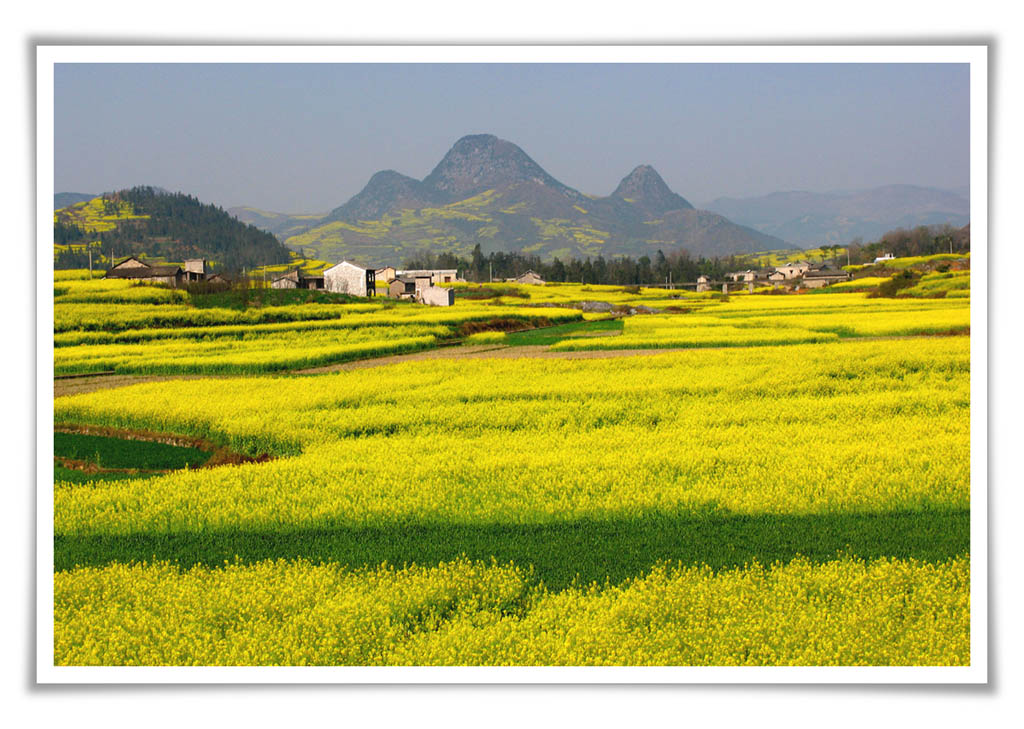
(304, 138)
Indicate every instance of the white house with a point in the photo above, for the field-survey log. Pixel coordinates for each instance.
(350, 278)
(886, 257)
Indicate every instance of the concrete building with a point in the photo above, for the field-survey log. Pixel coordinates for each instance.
(350, 278)
(436, 296)
(703, 284)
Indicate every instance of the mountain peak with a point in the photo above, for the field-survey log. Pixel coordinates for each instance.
(479, 162)
(644, 186)
(386, 191)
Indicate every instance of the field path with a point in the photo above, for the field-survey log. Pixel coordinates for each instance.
(539, 351)
(90, 383)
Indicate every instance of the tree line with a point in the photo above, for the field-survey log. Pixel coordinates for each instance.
(678, 266)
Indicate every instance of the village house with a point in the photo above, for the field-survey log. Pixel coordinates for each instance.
(794, 270)
(820, 277)
(386, 274)
(530, 278)
(350, 278)
(133, 268)
(883, 258)
(194, 270)
(404, 287)
(749, 275)
(297, 280)
(436, 275)
(420, 290)
(703, 284)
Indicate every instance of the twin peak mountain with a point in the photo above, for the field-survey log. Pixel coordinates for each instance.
(488, 191)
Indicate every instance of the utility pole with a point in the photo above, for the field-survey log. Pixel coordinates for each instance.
(90, 261)
(490, 272)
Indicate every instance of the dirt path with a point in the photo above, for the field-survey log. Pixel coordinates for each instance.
(90, 383)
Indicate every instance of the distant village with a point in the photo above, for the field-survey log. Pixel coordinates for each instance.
(422, 285)
(797, 274)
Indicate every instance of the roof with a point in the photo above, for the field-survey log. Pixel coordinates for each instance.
(297, 275)
(348, 263)
(826, 273)
(130, 258)
(147, 272)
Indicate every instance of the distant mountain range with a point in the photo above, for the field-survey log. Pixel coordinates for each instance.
(488, 192)
(807, 219)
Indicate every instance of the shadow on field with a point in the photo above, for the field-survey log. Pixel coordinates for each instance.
(584, 550)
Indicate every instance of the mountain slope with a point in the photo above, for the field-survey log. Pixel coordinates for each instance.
(174, 227)
(281, 225)
(487, 191)
(810, 219)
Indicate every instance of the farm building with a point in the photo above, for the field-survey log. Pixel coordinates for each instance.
(820, 277)
(530, 278)
(386, 274)
(749, 275)
(884, 258)
(703, 284)
(793, 270)
(350, 278)
(297, 280)
(133, 268)
(420, 290)
(195, 269)
(402, 287)
(437, 275)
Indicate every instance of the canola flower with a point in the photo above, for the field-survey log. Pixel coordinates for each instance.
(841, 612)
(862, 444)
(803, 429)
(772, 320)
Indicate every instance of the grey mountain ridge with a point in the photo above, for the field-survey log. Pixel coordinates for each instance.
(495, 195)
(808, 219)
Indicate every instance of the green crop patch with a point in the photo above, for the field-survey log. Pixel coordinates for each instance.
(121, 454)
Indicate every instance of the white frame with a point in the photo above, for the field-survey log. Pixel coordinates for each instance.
(974, 55)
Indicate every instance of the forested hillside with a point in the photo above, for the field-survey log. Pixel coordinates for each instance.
(171, 226)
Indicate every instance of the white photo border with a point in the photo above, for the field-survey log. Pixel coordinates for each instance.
(974, 55)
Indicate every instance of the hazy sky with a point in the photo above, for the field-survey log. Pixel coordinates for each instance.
(305, 138)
